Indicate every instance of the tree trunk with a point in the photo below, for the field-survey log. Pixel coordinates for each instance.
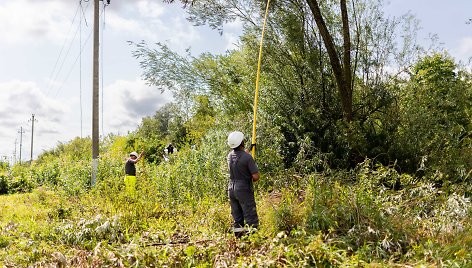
(342, 72)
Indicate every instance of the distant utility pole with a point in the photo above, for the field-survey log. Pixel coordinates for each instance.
(32, 135)
(21, 131)
(14, 152)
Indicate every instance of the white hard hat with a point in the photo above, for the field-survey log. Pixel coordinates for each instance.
(133, 153)
(235, 139)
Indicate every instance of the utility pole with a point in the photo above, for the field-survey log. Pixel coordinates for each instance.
(95, 92)
(21, 131)
(14, 153)
(32, 135)
(95, 95)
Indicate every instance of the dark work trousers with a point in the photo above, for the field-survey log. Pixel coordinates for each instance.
(243, 206)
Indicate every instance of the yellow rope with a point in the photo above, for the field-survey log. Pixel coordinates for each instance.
(256, 94)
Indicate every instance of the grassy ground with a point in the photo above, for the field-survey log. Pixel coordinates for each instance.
(51, 228)
(181, 217)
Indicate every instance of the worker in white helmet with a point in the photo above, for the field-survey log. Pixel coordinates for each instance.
(130, 171)
(243, 172)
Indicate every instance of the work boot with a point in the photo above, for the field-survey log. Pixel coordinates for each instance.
(240, 232)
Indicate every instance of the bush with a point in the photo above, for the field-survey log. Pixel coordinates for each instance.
(3, 184)
(47, 173)
(359, 212)
(282, 211)
(21, 184)
(194, 173)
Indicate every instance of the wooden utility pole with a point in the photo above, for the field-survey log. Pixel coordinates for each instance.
(21, 131)
(32, 135)
(14, 152)
(95, 111)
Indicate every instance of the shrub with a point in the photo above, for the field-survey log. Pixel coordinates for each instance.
(3, 184)
(89, 232)
(21, 184)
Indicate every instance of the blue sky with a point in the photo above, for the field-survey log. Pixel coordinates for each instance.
(445, 19)
(40, 61)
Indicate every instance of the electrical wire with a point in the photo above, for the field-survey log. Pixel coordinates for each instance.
(83, 12)
(60, 52)
(80, 69)
(59, 87)
(80, 65)
(101, 65)
(72, 66)
(75, 62)
(82, 46)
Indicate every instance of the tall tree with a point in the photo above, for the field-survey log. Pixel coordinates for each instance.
(308, 76)
(436, 130)
(342, 71)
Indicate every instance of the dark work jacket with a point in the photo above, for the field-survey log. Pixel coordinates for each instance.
(241, 167)
(130, 168)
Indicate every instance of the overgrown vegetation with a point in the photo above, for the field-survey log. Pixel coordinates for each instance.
(181, 218)
(390, 187)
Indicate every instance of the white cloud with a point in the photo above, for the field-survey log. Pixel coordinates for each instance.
(37, 21)
(126, 25)
(153, 22)
(464, 51)
(18, 97)
(19, 100)
(232, 41)
(34, 80)
(42, 21)
(237, 25)
(150, 9)
(127, 102)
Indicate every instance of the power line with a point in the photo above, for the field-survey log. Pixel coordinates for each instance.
(62, 48)
(80, 65)
(72, 66)
(80, 68)
(83, 12)
(101, 65)
(74, 63)
(67, 54)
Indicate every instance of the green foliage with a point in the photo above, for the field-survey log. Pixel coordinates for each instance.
(436, 124)
(3, 184)
(230, 80)
(21, 184)
(4, 242)
(395, 121)
(4, 166)
(391, 188)
(285, 211)
(88, 233)
(156, 132)
(180, 217)
(298, 92)
(202, 120)
(47, 173)
(195, 173)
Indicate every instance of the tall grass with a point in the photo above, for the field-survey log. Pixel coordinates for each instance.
(181, 217)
